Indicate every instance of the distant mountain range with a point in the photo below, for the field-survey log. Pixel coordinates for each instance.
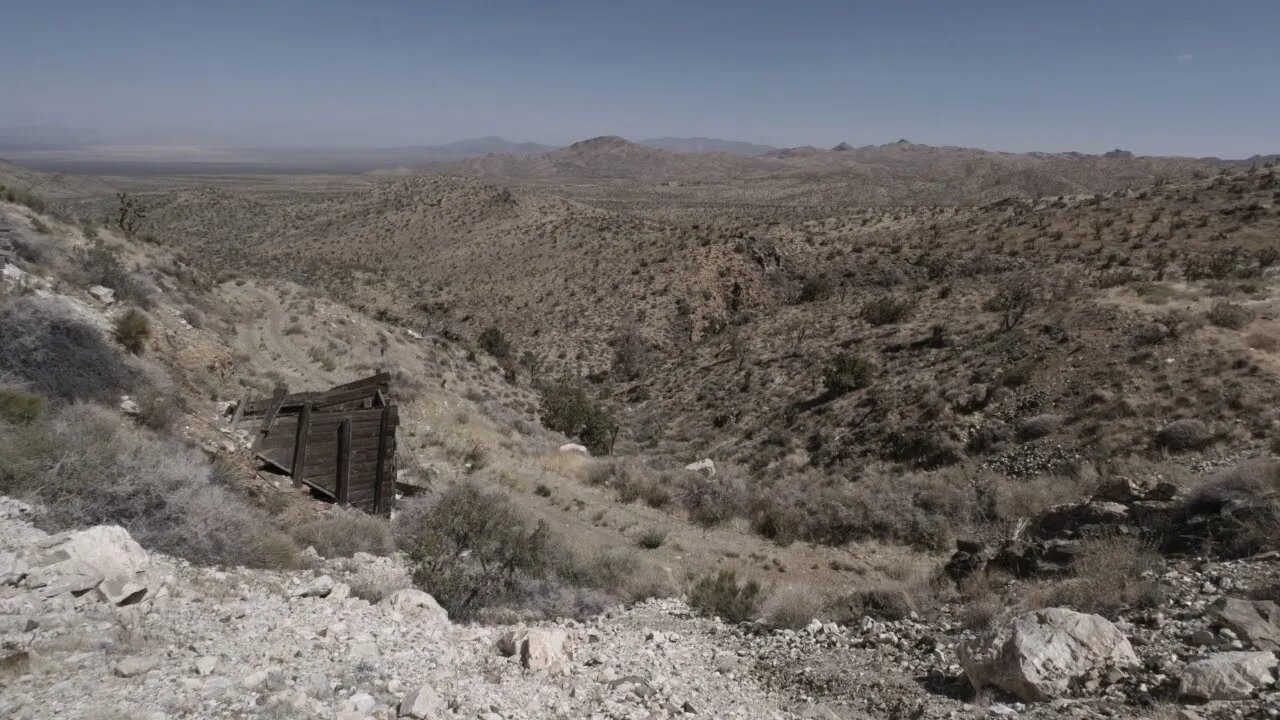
(62, 149)
(707, 145)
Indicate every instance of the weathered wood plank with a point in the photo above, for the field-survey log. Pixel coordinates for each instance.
(344, 462)
(301, 440)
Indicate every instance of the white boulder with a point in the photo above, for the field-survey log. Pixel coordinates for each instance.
(574, 448)
(539, 649)
(104, 557)
(1040, 653)
(422, 703)
(1227, 676)
(104, 295)
(414, 602)
(704, 466)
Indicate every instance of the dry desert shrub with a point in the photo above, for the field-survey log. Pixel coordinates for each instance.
(720, 594)
(59, 356)
(375, 581)
(794, 607)
(1246, 500)
(343, 533)
(1184, 434)
(1228, 315)
(86, 466)
(1108, 574)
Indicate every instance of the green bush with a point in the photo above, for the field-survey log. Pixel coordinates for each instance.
(85, 466)
(472, 549)
(847, 372)
(721, 595)
(567, 409)
(132, 330)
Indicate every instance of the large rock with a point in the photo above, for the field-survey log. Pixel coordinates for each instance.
(104, 557)
(422, 703)
(1128, 490)
(1040, 654)
(1256, 622)
(540, 649)
(1227, 676)
(319, 587)
(12, 568)
(137, 665)
(1068, 520)
(706, 467)
(414, 602)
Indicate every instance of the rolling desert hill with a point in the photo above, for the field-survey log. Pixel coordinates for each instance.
(714, 337)
(613, 169)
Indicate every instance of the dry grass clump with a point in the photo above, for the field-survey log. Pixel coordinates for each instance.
(632, 481)
(793, 607)
(1228, 315)
(85, 466)
(19, 407)
(374, 582)
(891, 600)
(1263, 341)
(920, 510)
(1184, 434)
(887, 310)
(59, 356)
(1108, 574)
(1246, 499)
(343, 533)
(652, 539)
(1038, 426)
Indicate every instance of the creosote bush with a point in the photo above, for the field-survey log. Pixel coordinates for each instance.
(132, 330)
(480, 556)
(495, 343)
(847, 372)
(720, 594)
(887, 310)
(472, 549)
(85, 466)
(567, 409)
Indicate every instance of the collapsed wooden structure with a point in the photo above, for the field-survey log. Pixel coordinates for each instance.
(340, 442)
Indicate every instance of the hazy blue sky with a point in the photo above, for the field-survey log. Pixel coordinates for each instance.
(1169, 76)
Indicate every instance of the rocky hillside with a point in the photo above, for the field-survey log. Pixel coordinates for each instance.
(1097, 319)
(92, 626)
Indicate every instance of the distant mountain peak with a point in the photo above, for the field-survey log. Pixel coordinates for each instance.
(604, 142)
